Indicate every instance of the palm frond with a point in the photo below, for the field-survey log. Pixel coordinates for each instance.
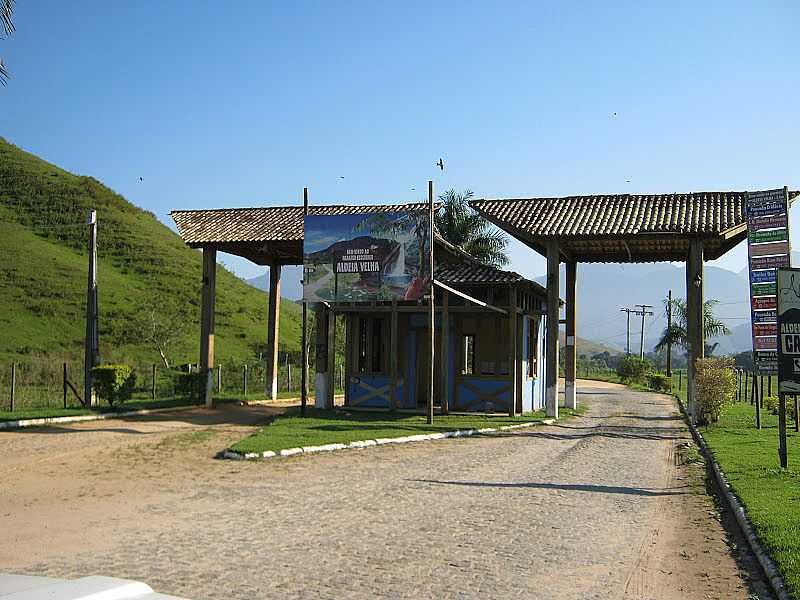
(6, 16)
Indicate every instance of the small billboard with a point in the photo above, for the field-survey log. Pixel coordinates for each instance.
(789, 331)
(366, 256)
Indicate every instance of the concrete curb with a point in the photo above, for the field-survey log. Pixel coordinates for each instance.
(361, 444)
(774, 576)
(22, 423)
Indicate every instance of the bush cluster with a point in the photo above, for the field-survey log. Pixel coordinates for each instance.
(633, 368)
(113, 383)
(771, 405)
(659, 382)
(715, 387)
(189, 385)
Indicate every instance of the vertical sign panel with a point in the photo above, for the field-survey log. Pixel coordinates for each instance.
(767, 249)
(789, 331)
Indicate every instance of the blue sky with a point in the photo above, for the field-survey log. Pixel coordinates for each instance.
(218, 105)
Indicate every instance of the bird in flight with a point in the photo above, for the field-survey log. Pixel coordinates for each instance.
(627, 181)
(440, 164)
(341, 176)
(140, 179)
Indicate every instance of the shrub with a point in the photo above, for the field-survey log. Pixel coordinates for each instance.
(771, 405)
(113, 383)
(715, 386)
(633, 368)
(659, 382)
(189, 385)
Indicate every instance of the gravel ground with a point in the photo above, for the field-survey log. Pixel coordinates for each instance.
(597, 507)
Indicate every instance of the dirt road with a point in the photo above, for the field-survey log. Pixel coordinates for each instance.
(598, 507)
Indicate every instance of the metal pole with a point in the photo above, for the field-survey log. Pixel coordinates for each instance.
(219, 378)
(431, 307)
(64, 384)
(91, 351)
(244, 380)
(644, 312)
(13, 383)
(753, 395)
(669, 329)
(782, 454)
(153, 383)
(304, 349)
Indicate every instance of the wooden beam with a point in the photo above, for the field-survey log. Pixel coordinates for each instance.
(331, 356)
(444, 359)
(208, 299)
(570, 364)
(512, 348)
(273, 330)
(694, 318)
(304, 335)
(551, 333)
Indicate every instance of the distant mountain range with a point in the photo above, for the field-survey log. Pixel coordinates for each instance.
(605, 288)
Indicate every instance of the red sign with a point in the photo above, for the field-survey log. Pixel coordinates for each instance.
(764, 302)
(765, 329)
(770, 248)
(766, 343)
(769, 262)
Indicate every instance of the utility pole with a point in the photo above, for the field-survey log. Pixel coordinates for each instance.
(91, 356)
(669, 332)
(643, 312)
(628, 311)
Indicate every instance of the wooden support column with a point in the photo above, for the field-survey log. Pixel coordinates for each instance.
(273, 330)
(444, 359)
(320, 355)
(551, 333)
(694, 318)
(331, 359)
(513, 367)
(570, 358)
(393, 354)
(208, 298)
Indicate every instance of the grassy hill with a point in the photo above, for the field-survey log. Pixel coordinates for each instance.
(145, 274)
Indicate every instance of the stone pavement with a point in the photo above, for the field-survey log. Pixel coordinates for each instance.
(597, 507)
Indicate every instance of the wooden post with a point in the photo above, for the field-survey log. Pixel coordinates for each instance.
(570, 359)
(152, 383)
(551, 333)
(273, 329)
(753, 385)
(680, 380)
(769, 385)
(431, 307)
(321, 350)
(761, 390)
(288, 374)
(64, 383)
(393, 354)
(512, 346)
(669, 329)
(207, 323)
(304, 351)
(331, 355)
(694, 317)
(782, 454)
(91, 350)
(13, 384)
(219, 379)
(444, 358)
(244, 380)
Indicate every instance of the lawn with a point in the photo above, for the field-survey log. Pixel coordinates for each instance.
(771, 496)
(343, 426)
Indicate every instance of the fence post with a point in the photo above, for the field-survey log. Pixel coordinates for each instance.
(153, 383)
(680, 380)
(64, 384)
(13, 383)
(288, 374)
(219, 378)
(244, 379)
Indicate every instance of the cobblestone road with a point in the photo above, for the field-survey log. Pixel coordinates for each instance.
(592, 508)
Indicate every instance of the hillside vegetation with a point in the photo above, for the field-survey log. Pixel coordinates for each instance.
(145, 274)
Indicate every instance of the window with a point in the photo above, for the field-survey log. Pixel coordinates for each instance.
(468, 368)
(533, 346)
(371, 351)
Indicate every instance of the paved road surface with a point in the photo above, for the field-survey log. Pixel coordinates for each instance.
(598, 507)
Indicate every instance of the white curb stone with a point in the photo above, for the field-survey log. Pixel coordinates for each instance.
(291, 451)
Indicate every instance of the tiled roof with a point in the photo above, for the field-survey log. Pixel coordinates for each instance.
(620, 214)
(278, 223)
(473, 273)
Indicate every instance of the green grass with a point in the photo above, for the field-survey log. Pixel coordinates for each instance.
(771, 496)
(343, 426)
(143, 266)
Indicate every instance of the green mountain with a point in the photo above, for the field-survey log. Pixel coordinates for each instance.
(148, 280)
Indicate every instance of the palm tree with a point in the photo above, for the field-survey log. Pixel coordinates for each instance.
(677, 335)
(7, 24)
(467, 230)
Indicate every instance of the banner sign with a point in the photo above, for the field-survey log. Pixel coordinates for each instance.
(789, 330)
(366, 256)
(768, 249)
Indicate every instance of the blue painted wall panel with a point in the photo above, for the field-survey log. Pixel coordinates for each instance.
(468, 399)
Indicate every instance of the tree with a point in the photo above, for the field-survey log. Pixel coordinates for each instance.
(7, 23)
(677, 335)
(464, 228)
(161, 326)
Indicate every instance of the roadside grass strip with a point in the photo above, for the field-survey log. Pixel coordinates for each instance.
(748, 459)
(329, 430)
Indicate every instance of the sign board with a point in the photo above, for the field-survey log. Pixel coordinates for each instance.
(366, 256)
(789, 331)
(768, 249)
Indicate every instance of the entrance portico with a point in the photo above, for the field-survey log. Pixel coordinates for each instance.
(621, 228)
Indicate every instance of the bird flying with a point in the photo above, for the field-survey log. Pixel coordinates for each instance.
(440, 164)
